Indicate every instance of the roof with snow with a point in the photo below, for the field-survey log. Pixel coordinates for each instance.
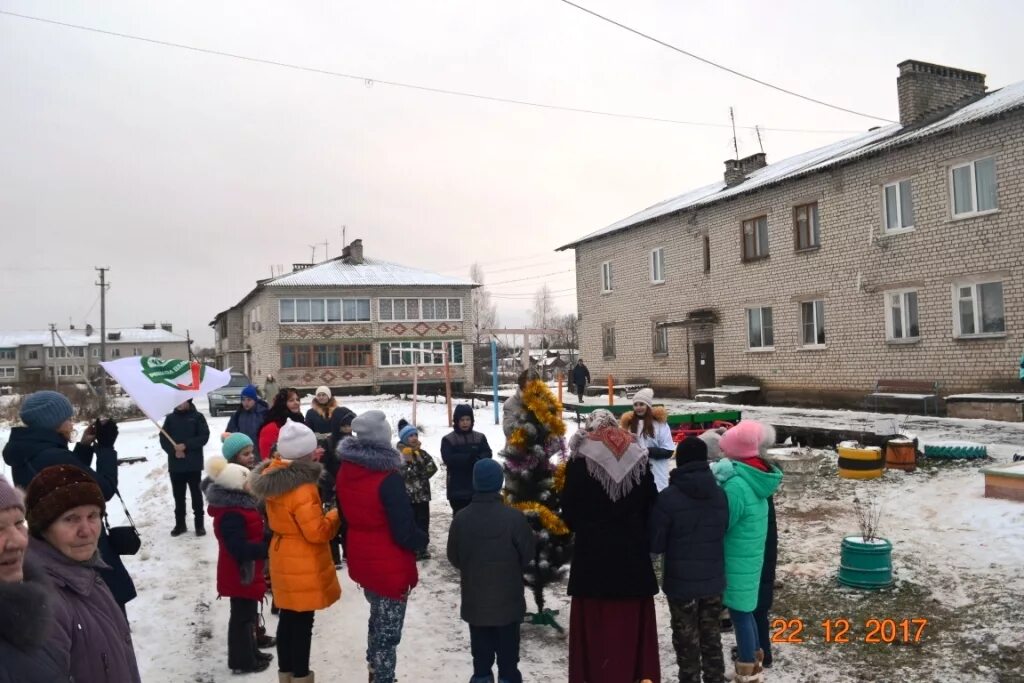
(78, 337)
(370, 273)
(882, 139)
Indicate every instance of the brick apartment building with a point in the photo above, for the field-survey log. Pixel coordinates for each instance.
(896, 254)
(350, 323)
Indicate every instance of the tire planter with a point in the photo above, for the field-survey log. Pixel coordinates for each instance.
(860, 463)
(900, 454)
(865, 565)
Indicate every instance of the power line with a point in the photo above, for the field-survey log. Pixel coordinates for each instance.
(734, 72)
(370, 81)
(532, 277)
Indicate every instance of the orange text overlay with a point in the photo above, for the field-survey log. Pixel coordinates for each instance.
(841, 630)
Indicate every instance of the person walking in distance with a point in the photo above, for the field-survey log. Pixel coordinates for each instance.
(580, 378)
(187, 427)
(460, 449)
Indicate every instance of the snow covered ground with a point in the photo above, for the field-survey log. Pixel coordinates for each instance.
(958, 559)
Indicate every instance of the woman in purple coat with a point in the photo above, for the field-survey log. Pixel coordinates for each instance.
(90, 636)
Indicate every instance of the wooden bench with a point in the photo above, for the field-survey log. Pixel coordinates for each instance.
(905, 390)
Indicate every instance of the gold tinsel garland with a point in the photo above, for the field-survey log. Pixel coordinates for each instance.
(548, 519)
(559, 477)
(539, 400)
(517, 438)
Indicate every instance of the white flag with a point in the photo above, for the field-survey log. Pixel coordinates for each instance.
(157, 385)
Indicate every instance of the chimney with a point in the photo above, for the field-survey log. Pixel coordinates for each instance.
(926, 89)
(167, 327)
(354, 252)
(734, 174)
(296, 267)
(149, 326)
(88, 330)
(753, 162)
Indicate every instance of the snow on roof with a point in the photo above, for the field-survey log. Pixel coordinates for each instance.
(78, 337)
(369, 273)
(845, 151)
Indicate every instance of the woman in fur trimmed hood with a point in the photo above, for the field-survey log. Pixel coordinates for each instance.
(382, 535)
(305, 579)
(650, 424)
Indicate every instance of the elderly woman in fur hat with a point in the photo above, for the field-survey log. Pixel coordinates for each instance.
(608, 495)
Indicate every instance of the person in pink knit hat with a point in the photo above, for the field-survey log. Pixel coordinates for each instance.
(749, 483)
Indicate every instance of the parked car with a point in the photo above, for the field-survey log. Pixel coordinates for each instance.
(228, 398)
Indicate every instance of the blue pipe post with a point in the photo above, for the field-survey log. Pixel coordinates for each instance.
(494, 375)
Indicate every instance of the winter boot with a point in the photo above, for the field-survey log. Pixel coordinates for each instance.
(308, 678)
(260, 665)
(284, 677)
(482, 679)
(179, 528)
(747, 672)
(200, 526)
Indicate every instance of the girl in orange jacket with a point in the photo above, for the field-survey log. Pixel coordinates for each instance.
(305, 579)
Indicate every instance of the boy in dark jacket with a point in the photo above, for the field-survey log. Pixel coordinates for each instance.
(249, 417)
(187, 427)
(688, 524)
(491, 545)
(417, 469)
(238, 526)
(460, 451)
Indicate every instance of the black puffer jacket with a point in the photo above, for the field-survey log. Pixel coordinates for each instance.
(459, 451)
(688, 525)
(611, 553)
(185, 427)
(27, 654)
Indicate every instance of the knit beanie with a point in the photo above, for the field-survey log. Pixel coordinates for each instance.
(235, 444)
(691, 449)
(372, 426)
(226, 474)
(646, 396)
(54, 491)
(295, 441)
(323, 390)
(10, 497)
(46, 409)
(744, 440)
(406, 432)
(487, 476)
(251, 392)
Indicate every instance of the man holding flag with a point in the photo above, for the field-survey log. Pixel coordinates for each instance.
(182, 437)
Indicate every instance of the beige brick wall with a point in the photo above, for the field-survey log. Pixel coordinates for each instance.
(853, 251)
(267, 342)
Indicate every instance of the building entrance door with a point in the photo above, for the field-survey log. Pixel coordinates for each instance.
(704, 364)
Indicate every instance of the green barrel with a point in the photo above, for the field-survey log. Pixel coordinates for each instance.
(865, 565)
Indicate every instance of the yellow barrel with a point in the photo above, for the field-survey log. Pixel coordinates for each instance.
(860, 463)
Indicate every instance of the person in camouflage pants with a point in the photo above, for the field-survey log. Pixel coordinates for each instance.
(697, 639)
(417, 469)
(387, 616)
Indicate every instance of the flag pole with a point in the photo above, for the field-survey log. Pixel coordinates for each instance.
(166, 435)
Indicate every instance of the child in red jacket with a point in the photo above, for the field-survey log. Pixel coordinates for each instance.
(238, 526)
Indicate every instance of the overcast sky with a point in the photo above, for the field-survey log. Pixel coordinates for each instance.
(189, 174)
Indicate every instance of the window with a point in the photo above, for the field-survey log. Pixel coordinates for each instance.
(974, 187)
(606, 276)
(136, 351)
(806, 226)
(419, 309)
(707, 253)
(901, 317)
(58, 352)
(7, 372)
(659, 345)
(115, 352)
(978, 308)
(157, 352)
(755, 238)
(95, 352)
(325, 355)
(899, 206)
(760, 332)
(419, 353)
(608, 340)
(658, 265)
(812, 322)
(324, 310)
(33, 354)
(8, 354)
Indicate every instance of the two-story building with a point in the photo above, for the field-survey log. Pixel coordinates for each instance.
(350, 323)
(33, 358)
(898, 253)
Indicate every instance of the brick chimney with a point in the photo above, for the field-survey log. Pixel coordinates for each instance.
(167, 327)
(737, 170)
(353, 253)
(926, 89)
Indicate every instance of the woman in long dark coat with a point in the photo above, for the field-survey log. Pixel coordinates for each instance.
(607, 499)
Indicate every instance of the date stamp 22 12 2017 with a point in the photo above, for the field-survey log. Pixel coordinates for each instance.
(841, 630)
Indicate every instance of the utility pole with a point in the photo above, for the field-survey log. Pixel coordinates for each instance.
(53, 354)
(103, 332)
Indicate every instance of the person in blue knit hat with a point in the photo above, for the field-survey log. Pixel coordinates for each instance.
(43, 442)
(249, 417)
(417, 469)
(238, 448)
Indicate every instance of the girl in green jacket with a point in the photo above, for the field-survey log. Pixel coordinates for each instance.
(748, 482)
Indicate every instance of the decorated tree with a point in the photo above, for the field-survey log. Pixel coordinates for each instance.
(534, 456)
